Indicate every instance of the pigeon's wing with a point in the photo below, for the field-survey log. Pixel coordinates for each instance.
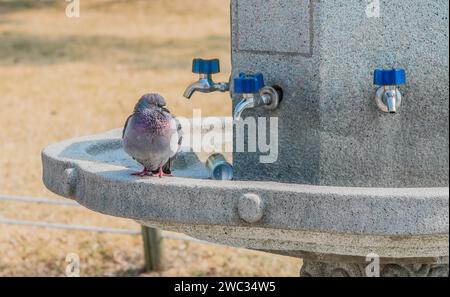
(125, 126)
(124, 129)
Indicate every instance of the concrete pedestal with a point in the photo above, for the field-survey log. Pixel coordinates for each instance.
(323, 54)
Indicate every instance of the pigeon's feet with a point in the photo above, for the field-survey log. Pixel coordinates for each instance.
(142, 173)
(161, 173)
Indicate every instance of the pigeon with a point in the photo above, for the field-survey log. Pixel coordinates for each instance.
(152, 136)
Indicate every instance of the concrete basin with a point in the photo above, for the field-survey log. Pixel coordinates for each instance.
(321, 223)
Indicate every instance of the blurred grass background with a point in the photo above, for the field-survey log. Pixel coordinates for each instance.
(66, 77)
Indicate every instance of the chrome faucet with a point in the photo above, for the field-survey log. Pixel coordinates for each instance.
(247, 102)
(205, 69)
(255, 94)
(389, 97)
(251, 87)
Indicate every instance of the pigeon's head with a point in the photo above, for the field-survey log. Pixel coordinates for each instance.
(150, 101)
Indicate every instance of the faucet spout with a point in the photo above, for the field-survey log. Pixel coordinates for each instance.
(191, 89)
(246, 103)
(391, 101)
(205, 85)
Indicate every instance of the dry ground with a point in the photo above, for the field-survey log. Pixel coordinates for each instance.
(63, 78)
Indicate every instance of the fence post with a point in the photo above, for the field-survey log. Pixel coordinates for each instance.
(152, 248)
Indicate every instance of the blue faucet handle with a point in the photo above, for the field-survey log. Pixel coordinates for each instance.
(202, 66)
(389, 77)
(248, 84)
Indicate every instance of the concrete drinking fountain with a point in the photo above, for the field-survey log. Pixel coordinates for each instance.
(360, 175)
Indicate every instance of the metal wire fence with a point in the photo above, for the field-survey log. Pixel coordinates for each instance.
(61, 202)
(151, 237)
